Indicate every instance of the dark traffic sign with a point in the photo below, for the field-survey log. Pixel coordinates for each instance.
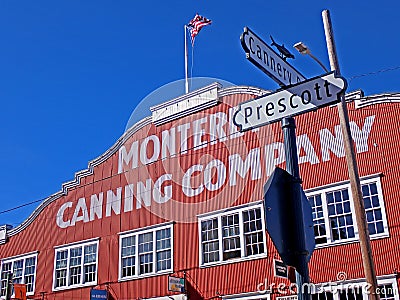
(271, 63)
(281, 218)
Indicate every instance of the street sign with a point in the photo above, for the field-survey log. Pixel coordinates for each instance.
(280, 218)
(19, 291)
(176, 284)
(290, 101)
(98, 294)
(280, 269)
(291, 297)
(271, 63)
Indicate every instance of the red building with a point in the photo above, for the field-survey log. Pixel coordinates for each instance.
(180, 194)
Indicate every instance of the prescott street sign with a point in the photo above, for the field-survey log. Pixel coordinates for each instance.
(290, 101)
(271, 63)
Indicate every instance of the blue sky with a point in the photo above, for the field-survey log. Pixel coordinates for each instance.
(72, 72)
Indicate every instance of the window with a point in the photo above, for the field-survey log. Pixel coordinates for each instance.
(23, 268)
(333, 212)
(146, 252)
(248, 296)
(232, 234)
(75, 265)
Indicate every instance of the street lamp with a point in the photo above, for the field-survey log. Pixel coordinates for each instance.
(303, 49)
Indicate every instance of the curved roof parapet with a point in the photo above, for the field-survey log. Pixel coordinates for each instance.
(107, 154)
(375, 99)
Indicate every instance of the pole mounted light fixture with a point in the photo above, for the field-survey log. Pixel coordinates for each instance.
(303, 49)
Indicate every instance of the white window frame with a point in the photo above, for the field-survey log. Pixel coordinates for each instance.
(248, 296)
(67, 248)
(23, 257)
(218, 214)
(135, 233)
(335, 287)
(323, 190)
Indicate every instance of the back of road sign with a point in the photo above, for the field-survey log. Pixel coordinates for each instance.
(280, 218)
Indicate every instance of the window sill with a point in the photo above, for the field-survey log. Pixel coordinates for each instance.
(75, 286)
(232, 261)
(145, 276)
(12, 296)
(350, 241)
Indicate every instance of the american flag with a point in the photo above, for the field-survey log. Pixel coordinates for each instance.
(196, 24)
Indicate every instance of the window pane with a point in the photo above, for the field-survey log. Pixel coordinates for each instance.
(61, 268)
(253, 233)
(231, 238)
(89, 267)
(75, 265)
(163, 256)
(145, 246)
(318, 219)
(372, 208)
(6, 268)
(209, 240)
(386, 292)
(340, 216)
(128, 256)
(18, 268)
(29, 276)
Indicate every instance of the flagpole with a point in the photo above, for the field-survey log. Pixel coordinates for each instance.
(186, 62)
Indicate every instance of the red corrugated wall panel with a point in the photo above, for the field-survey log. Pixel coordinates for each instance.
(382, 156)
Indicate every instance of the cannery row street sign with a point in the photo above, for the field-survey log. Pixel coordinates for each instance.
(260, 54)
(290, 101)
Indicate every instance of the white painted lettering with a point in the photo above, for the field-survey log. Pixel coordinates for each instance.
(125, 158)
(60, 215)
(217, 123)
(187, 188)
(158, 193)
(198, 133)
(143, 193)
(96, 206)
(80, 213)
(168, 143)
(220, 175)
(144, 158)
(128, 200)
(113, 202)
(329, 142)
(183, 129)
(274, 155)
(240, 167)
(303, 142)
(360, 136)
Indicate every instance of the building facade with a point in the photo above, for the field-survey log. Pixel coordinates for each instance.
(180, 196)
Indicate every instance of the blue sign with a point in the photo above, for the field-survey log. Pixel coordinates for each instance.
(98, 294)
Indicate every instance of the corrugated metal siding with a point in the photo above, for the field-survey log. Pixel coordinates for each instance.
(233, 278)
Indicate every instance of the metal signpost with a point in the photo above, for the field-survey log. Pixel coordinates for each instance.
(295, 240)
(359, 209)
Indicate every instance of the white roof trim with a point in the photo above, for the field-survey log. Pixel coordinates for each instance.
(107, 154)
(377, 99)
